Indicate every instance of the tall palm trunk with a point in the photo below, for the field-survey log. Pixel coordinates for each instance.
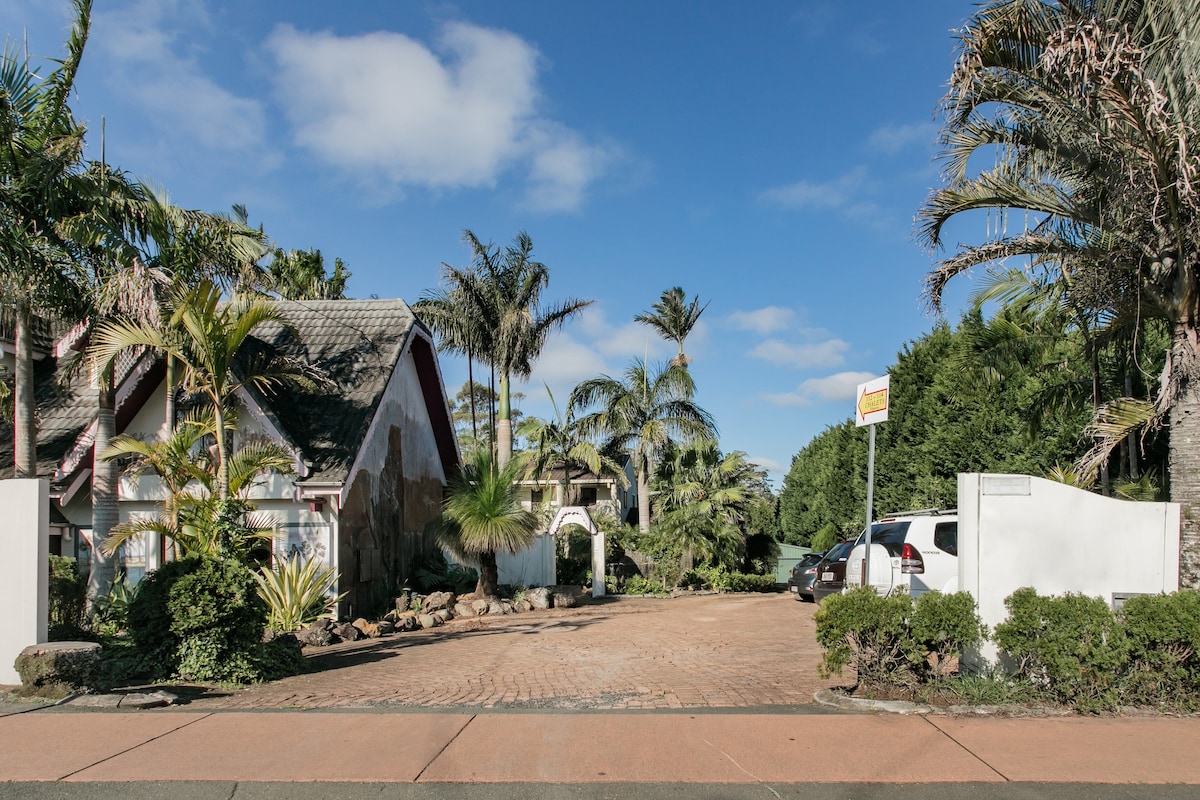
(1184, 456)
(643, 492)
(489, 575)
(104, 490)
(504, 439)
(24, 408)
(222, 437)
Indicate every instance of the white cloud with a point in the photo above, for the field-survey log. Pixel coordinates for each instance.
(840, 386)
(891, 139)
(768, 319)
(769, 464)
(804, 355)
(141, 45)
(842, 192)
(458, 115)
(624, 342)
(563, 363)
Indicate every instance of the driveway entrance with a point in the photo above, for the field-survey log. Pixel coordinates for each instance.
(709, 651)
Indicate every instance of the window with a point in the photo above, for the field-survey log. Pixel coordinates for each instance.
(587, 496)
(535, 497)
(945, 537)
(889, 534)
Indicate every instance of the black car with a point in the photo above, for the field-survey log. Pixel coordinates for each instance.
(800, 584)
(831, 572)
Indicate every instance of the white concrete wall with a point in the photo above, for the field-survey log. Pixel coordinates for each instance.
(24, 592)
(1016, 531)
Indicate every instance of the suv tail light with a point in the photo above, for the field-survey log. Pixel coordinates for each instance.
(911, 562)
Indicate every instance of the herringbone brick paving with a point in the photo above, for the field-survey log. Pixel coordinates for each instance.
(706, 651)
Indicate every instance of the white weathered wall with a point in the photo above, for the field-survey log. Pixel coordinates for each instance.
(24, 592)
(1016, 531)
(533, 566)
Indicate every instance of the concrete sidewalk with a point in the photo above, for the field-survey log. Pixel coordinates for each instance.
(591, 748)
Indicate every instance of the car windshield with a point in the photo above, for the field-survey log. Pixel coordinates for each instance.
(889, 534)
(838, 552)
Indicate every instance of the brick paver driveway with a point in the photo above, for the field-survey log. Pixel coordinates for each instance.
(708, 651)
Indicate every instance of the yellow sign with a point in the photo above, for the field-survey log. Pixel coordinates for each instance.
(872, 405)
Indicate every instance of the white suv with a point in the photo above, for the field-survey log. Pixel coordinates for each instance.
(917, 550)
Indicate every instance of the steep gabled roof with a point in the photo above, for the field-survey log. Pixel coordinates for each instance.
(356, 344)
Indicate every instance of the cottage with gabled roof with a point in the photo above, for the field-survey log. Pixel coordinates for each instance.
(371, 456)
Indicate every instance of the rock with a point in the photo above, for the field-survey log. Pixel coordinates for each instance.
(429, 621)
(480, 606)
(385, 626)
(56, 669)
(506, 607)
(494, 607)
(408, 623)
(403, 602)
(361, 623)
(370, 630)
(347, 632)
(464, 610)
(564, 600)
(316, 634)
(539, 598)
(521, 606)
(444, 614)
(437, 601)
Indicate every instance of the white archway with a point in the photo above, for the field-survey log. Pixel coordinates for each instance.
(578, 515)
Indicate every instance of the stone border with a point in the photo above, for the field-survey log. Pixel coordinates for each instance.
(832, 699)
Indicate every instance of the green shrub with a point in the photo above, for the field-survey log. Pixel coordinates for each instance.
(639, 585)
(870, 633)
(202, 619)
(1163, 632)
(1070, 645)
(892, 640)
(943, 626)
(111, 617)
(68, 600)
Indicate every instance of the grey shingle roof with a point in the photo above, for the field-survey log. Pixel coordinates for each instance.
(356, 344)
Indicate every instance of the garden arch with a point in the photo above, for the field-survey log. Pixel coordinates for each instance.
(578, 515)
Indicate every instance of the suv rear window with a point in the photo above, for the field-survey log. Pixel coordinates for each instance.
(889, 534)
(945, 537)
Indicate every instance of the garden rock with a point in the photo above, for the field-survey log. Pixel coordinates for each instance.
(480, 606)
(403, 602)
(317, 634)
(429, 621)
(385, 626)
(522, 606)
(496, 607)
(464, 610)
(564, 599)
(437, 601)
(539, 598)
(444, 614)
(56, 669)
(347, 632)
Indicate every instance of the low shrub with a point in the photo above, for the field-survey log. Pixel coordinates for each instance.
(201, 618)
(639, 585)
(1069, 645)
(943, 626)
(721, 580)
(67, 601)
(868, 632)
(1163, 635)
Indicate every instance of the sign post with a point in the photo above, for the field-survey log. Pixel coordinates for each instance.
(871, 407)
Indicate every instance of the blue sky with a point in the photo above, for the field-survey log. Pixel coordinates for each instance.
(768, 157)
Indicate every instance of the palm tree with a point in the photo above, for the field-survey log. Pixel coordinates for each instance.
(705, 497)
(41, 183)
(206, 336)
(300, 275)
(484, 516)
(559, 445)
(673, 318)
(496, 307)
(1090, 111)
(192, 513)
(644, 414)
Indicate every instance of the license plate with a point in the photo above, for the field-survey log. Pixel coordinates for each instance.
(827, 576)
(795, 589)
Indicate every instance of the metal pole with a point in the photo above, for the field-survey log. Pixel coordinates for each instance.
(866, 570)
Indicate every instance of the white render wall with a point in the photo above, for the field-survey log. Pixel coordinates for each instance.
(1016, 531)
(24, 592)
